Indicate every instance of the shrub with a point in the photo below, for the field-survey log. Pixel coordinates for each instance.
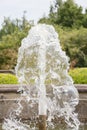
(79, 75)
(74, 43)
(8, 79)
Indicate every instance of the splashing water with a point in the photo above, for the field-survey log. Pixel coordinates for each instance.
(48, 89)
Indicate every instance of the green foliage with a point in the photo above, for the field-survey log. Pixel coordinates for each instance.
(79, 75)
(71, 24)
(14, 26)
(84, 20)
(8, 58)
(74, 42)
(8, 79)
(67, 14)
(11, 35)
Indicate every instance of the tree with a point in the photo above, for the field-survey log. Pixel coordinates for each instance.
(68, 14)
(84, 20)
(11, 26)
(74, 42)
(11, 34)
(8, 27)
(54, 9)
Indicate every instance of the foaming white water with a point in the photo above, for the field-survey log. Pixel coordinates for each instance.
(43, 67)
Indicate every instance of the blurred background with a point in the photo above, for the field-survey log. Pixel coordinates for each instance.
(69, 19)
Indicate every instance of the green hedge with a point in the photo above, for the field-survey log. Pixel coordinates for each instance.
(79, 75)
(8, 79)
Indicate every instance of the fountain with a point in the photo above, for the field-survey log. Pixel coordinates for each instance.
(42, 71)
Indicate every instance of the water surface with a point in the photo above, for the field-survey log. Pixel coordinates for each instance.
(83, 127)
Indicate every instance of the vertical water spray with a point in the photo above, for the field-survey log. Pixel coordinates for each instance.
(42, 68)
(42, 87)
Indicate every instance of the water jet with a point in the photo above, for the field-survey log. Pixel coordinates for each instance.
(42, 64)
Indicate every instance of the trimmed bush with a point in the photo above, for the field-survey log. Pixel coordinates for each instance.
(79, 75)
(8, 79)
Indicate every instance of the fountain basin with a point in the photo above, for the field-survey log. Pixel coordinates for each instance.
(9, 96)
